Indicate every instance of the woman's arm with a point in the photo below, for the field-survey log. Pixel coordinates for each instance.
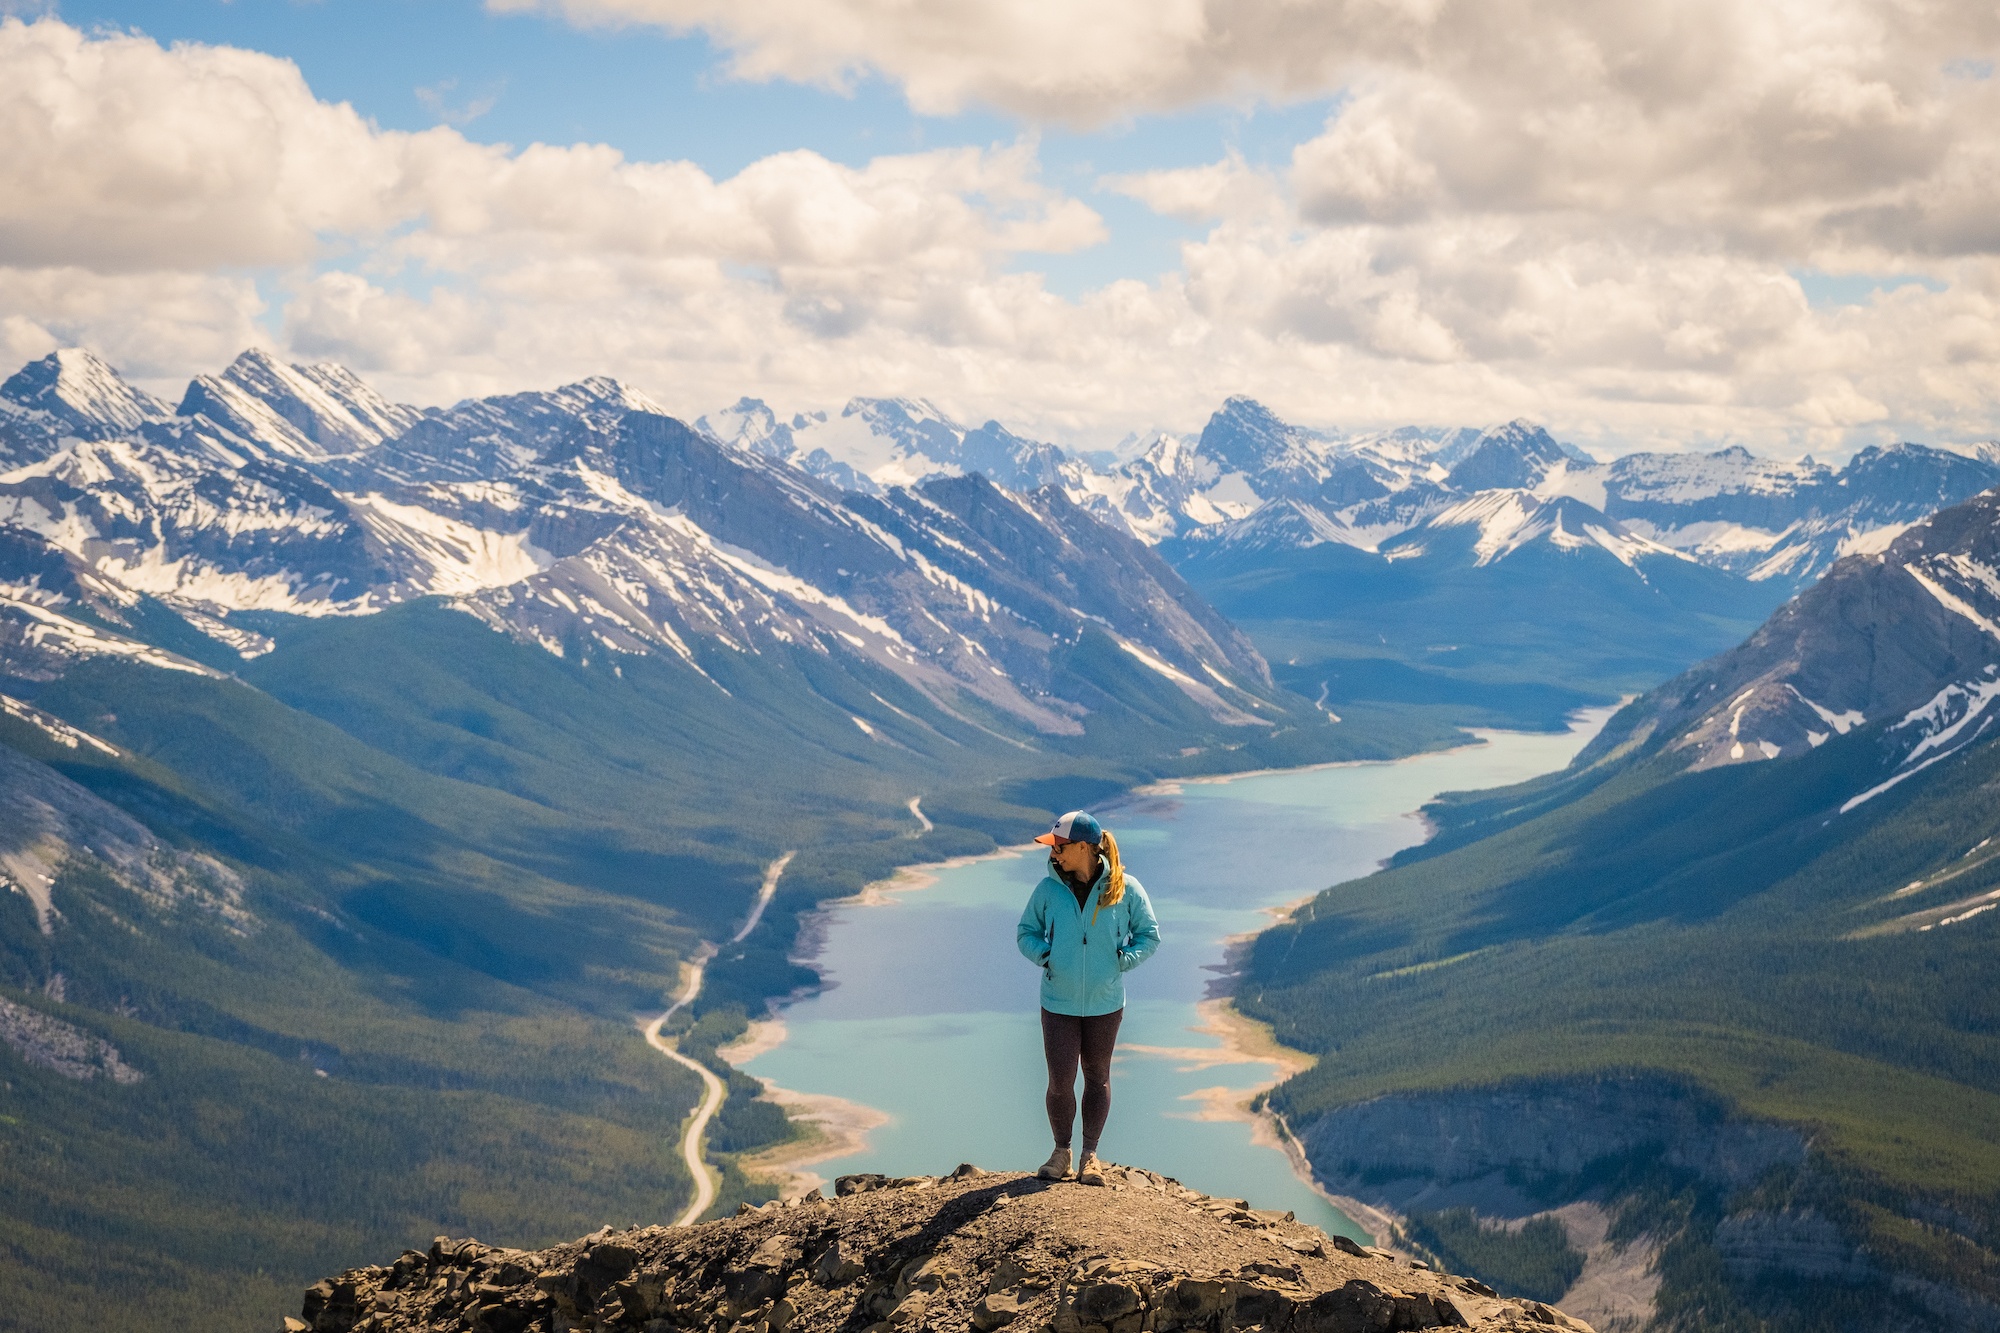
(1032, 935)
(1144, 936)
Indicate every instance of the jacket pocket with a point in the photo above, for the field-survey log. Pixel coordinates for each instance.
(1062, 981)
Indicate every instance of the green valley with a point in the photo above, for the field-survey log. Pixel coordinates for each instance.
(1800, 941)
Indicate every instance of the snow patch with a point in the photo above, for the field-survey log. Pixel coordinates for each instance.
(49, 629)
(1950, 601)
(1842, 723)
(1178, 677)
(1870, 541)
(57, 730)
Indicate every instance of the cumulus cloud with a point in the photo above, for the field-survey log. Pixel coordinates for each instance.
(1589, 214)
(1858, 123)
(1039, 57)
(124, 156)
(144, 175)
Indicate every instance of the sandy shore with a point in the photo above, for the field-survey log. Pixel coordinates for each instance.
(834, 1127)
(828, 1127)
(1481, 736)
(765, 1034)
(1243, 1040)
(909, 879)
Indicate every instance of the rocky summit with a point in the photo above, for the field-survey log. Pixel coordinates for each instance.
(975, 1250)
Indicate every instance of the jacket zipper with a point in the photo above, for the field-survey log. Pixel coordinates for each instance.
(1084, 930)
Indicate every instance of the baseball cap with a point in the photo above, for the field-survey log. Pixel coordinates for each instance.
(1076, 826)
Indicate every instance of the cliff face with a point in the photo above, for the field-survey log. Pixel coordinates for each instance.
(1584, 1152)
(1420, 1143)
(973, 1251)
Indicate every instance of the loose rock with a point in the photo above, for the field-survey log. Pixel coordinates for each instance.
(972, 1252)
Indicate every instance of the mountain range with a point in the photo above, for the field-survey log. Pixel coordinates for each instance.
(364, 768)
(1741, 949)
(1497, 573)
(589, 522)
(1253, 481)
(1522, 572)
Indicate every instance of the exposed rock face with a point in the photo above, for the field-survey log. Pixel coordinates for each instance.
(976, 1250)
(1544, 1128)
(1473, 1148)
(1799, 1243)
(1517, 454)
(48, 821)
(77, 389)
(63, 1047)
(1907, 636)
(1804, 1245)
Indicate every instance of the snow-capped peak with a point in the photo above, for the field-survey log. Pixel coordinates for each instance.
(749, 423)
(602, 391)
(80, 388)
(878, 443)
(1245, 436)
(1515, 456)
(307, 412)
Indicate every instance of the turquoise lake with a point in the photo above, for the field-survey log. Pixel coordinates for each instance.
(929, 1014)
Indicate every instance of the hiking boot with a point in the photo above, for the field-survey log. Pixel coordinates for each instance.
(1090, 1171)
(1057, 1167)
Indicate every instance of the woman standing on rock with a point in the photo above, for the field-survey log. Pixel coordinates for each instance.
(1087, 924)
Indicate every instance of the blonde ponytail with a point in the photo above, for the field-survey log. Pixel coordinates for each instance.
(1114, 883)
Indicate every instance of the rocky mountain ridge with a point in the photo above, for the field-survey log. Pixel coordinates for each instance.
(1762, 519)
(298, 489)
(1717, 977)
(1251, 479)
(975, 1250)
(588, 522)
(1909, 637)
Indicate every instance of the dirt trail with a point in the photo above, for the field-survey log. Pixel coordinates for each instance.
(712, 1090)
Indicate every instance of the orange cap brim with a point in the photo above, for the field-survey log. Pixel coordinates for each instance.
(1050, 840)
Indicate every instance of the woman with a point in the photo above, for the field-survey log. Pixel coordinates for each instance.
(1086, 925)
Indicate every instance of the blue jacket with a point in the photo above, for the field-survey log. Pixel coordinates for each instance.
(1083, 961)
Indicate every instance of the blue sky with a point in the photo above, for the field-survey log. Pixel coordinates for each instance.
(1081, 220)
(527, 78)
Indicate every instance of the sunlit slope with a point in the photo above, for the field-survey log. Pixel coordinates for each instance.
(307, 1082)
(1715, 925)
(464, 862)
(1769, 876)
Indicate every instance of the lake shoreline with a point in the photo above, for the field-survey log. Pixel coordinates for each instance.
(824, 1127)
(1481, 736)
(831, 1127)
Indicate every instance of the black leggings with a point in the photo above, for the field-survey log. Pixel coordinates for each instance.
(1067, 1040)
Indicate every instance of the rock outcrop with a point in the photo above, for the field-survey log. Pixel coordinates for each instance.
(1409, 1149)
(974, 1251)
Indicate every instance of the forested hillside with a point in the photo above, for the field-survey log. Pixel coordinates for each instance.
(344, 849)
(1790, 919)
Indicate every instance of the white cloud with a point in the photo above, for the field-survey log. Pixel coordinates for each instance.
(442, 101)
(1587, 215)
(1226, 189)
(124, 156)
(1042, 57)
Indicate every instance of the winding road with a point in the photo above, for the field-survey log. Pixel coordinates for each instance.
(712, 1089)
